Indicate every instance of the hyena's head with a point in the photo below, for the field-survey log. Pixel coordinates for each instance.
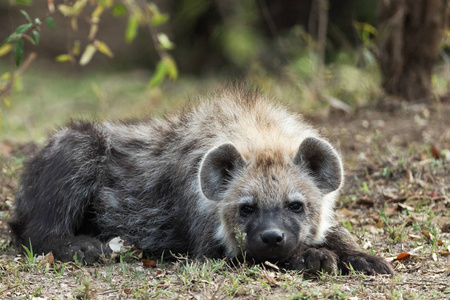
(272, 204)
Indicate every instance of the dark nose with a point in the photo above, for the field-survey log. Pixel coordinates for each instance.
(273, 238)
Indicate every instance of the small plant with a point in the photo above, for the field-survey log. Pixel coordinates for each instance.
(75, 259)
(240, 238)
(347, 225)
(29, 255)
(84, 291)
(364, 188)
(387, 172)
(37, 292)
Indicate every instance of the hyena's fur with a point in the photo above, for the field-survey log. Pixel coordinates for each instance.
(143, 181)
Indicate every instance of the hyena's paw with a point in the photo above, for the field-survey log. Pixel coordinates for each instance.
(367, 264)
(315, 260)
(85, 249)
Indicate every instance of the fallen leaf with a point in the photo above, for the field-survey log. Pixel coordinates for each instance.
(127, 291)
(427, 234)
(47, 259)
(403, 256)
(423, 155)
(407, 207)
(444, 252)
(148, 263)
(435, 152)
(409, 176)
(434, 256)
(379, 224)
(118, 245)
(414, 237)
(445, 227)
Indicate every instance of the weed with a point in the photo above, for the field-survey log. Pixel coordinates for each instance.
(30, 257)
(240, 238)
(84, 291)
(387, 172)
(365, 188)
(37, 292)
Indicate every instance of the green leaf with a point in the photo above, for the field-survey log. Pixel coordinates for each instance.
(132, 28)
(119, 10)
(87, 54)
(24, 2)
(10, 38)
(103, 48)
(172, 69)
(164, 41)
(18, 51)
(159, 75)
(5, 49)
(26, 15)
(36, 37)
(23, 28)
(50, 22)
(105, 3)
(37, 21)
(67, 10)
(63, 58)
(159, 19)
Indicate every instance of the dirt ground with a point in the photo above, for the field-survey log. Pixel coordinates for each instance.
(395, 202)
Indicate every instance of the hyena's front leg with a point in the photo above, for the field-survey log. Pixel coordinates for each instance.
(86, 249)
(339, 254)
(341, 242)
(315, 260)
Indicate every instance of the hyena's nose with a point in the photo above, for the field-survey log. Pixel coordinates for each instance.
(273, 238)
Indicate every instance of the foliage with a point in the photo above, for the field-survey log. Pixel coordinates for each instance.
(139, 13)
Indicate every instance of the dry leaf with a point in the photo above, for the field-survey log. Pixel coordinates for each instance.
(423, 155)
(427, 234)
(379, 224)
(47, 259)
(407, 207)
(434, 256)
(444, 252)
(127, 291)
(435, 152)
(403, 256)
(415, 237)
(148, 263)
(409, 176)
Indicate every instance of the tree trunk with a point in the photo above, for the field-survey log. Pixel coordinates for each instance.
(409, 40)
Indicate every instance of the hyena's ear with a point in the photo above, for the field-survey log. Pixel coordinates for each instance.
(322, 162)
(218, 168)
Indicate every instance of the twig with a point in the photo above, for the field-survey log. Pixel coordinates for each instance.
(271, 265)
(26, 64)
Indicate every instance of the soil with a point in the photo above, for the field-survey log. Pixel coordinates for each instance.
(395, 202)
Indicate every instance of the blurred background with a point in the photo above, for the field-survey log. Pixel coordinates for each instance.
(102, 59)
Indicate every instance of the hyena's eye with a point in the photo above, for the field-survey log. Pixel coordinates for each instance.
(296, 206)
(246, 210)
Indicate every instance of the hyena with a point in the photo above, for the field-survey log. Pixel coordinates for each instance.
(235, 174)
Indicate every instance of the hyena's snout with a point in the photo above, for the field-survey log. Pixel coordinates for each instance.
(272, 238)
(270, 243)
